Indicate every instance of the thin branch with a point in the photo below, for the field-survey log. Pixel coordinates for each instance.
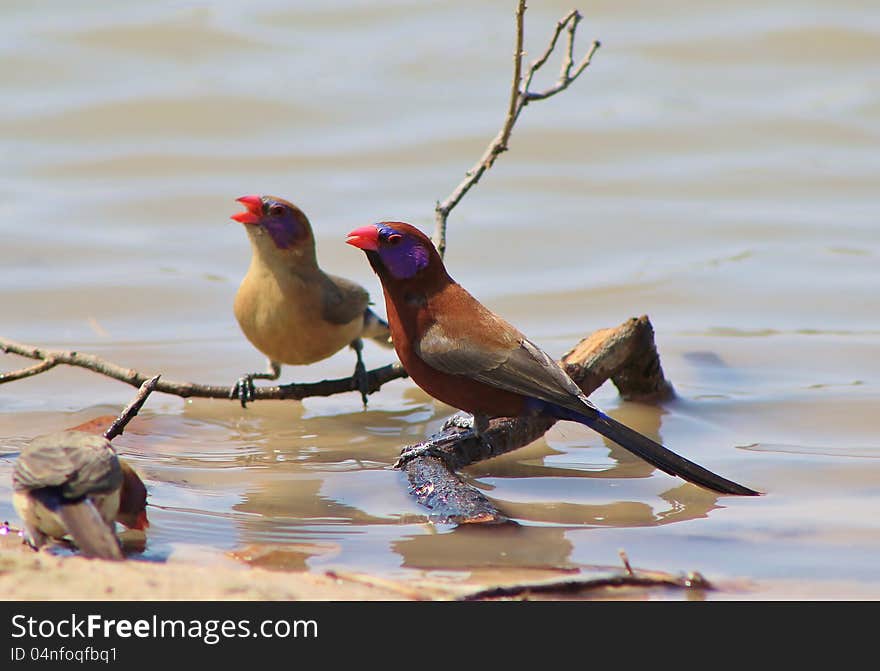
(22, 373)
(625, 559)
(565, 79)
(375, 378)
(132, 409)
(580, 582)
(520, 96)
(513, 107)
(691, 580)
(570, 19)
(565, 72)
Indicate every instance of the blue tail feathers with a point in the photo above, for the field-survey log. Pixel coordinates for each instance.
(642, 446)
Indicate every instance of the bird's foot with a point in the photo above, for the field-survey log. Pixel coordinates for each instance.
(243, 390)
(477, 424)
(437, 446)
(458, 421)
(426, 449)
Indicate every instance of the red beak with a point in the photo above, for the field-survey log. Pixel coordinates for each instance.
(365, 237)
(254, 205)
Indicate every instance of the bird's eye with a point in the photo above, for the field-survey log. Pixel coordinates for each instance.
(276, 210)
(394, 238)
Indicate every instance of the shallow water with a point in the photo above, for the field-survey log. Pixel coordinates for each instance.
(715, 168)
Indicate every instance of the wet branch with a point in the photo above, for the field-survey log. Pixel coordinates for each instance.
(520, 96)
(296, 391)
(132, 409)
(626, 355)
(579, 584)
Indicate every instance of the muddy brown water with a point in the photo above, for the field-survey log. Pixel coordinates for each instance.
(716, 168)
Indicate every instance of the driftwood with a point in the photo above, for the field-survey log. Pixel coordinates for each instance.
(575, 583)
(578, 584)
(626, 355)
(557, 587)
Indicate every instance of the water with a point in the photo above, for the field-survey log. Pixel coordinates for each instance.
(715, 168)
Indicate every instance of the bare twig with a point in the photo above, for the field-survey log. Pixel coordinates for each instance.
(132, 409)
(513, 107)
(576, 582)
(22, 373)
(692, 580)
(520, 96)
(566, 76)
(375, 378)
(625, 560)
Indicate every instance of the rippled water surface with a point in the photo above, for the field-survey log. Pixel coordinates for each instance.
(716, 168)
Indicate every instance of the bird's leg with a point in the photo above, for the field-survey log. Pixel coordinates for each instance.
(459, 420)
(244, 389)
(480, 427)
(361, 380)
(479, 424)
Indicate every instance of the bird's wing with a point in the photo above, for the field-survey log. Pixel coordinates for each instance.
(78, 463)
(342, 300)
(92, 535)
(40, 466)
(522, 368)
